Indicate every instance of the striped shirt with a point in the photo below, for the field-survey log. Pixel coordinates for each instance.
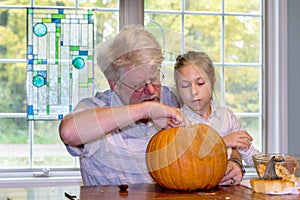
(118, 157)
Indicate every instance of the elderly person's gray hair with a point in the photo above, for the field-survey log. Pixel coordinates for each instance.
(133, 46)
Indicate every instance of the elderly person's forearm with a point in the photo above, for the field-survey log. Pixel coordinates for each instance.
(86, 126)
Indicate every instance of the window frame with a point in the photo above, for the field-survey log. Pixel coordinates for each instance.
(276, 77)
(274, 100)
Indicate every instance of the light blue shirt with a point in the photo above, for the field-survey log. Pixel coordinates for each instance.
(224, 121)
(119, 157)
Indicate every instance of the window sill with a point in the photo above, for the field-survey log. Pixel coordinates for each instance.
(250, 175)
(27, 178)
(40, 182)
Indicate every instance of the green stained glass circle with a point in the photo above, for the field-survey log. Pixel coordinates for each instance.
(40, 29)
(78, 63)
(38, 81)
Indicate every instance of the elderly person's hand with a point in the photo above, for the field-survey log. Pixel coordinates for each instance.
(165, 116)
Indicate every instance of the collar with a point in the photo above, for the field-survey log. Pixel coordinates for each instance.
(189, 112)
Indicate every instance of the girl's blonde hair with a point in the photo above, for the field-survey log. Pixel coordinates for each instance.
(133, 46)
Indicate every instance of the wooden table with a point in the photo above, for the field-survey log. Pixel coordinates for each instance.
(134, 192)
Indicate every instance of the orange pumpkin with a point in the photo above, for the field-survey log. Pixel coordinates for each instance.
(187, 158)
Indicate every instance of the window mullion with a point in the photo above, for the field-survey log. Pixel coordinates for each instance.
(131, 12)
(222, 72)
(31, 142)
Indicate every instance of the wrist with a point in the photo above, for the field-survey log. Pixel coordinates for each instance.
(141, 110)
(240, 164)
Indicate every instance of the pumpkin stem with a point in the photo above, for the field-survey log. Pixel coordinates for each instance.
(270, 173)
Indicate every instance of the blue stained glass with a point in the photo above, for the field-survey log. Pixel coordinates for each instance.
(29, 49)
(55, 20)
(38, 81)
(78, 63)
(90, 20)
(44, 61)
(29, 67)
(51, 45)
(40, 29)
(30, 61)
(42, 73)
(30, 109)
(83, 53)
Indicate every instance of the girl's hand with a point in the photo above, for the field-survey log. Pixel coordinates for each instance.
(238, 139)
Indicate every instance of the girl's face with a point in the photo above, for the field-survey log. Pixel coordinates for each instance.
(194, 88)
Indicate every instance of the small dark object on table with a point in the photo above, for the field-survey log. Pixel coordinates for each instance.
(123, 187)
(123, 190)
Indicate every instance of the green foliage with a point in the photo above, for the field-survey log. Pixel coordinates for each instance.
(13, 131)
(15, 2)
(242, 44)
(252, 6)
(12, 88)
(242, 89)
(46, 132)
(13, 161)
(49, 161)
(162, 5)
(13, 33)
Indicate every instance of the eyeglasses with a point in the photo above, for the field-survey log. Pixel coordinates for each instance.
(155, 81)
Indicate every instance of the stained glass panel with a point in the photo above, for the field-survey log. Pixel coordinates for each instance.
(60, 44)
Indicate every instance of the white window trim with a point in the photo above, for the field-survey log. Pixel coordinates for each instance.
(275, 101)
(37, 177)
(276, 74)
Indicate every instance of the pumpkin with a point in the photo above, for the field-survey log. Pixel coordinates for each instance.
(187, 158)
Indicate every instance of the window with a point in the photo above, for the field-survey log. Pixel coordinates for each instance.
(33, 147)
(230, 31)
